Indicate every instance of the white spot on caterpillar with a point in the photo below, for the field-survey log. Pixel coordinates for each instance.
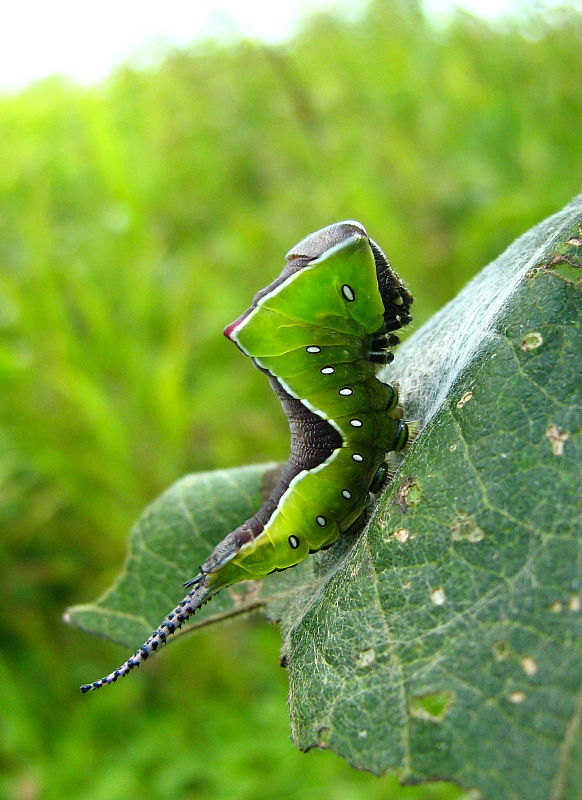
(347, 494)
(293, 542)
(438, 596)
(346, 391)
(358, 457)
(348, 293)
(356, 423)
(321, 521)
(327, 370)
(313, 348)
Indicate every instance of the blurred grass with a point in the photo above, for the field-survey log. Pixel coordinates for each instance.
(137, 218)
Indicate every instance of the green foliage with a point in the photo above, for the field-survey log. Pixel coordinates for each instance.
(453, 622)
(136, 219)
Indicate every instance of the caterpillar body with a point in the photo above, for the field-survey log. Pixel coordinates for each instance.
(319, 332)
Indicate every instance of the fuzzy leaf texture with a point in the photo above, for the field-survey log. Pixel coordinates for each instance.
(444, 640)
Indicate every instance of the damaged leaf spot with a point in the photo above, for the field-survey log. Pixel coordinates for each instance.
(407, 495)
(465, 399)
(366, 658)
(464, 527)
(566, 266)
(438, 596)
(516, 697)
(431, 707)
(557, 439)
(528, 665)
(452, 448)
(501, 650)
(574, 602)
(401, 535)
(531, 341)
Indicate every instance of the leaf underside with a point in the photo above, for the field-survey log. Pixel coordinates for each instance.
(444, 641)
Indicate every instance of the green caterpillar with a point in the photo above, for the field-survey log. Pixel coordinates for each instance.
(318, 332)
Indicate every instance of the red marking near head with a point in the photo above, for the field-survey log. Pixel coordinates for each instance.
(230, 328)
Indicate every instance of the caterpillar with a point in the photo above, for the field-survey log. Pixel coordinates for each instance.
(319, 332)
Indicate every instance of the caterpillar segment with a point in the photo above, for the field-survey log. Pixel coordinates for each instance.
(319, 332)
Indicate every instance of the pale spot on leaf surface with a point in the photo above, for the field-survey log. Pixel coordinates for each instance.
(574, 603)
(557, 439)
(438, 596)
(401, 535)
(464, 527)
(465, 399)
(531, 341)
(365, 658)
(517, 697)
(529, 666)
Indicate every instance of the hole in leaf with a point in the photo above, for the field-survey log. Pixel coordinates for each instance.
(431, 707)
(531, 341)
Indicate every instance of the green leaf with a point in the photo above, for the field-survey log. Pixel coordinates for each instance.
(444, 641)
(447, 643)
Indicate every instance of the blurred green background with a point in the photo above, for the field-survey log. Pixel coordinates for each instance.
(137, 218)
